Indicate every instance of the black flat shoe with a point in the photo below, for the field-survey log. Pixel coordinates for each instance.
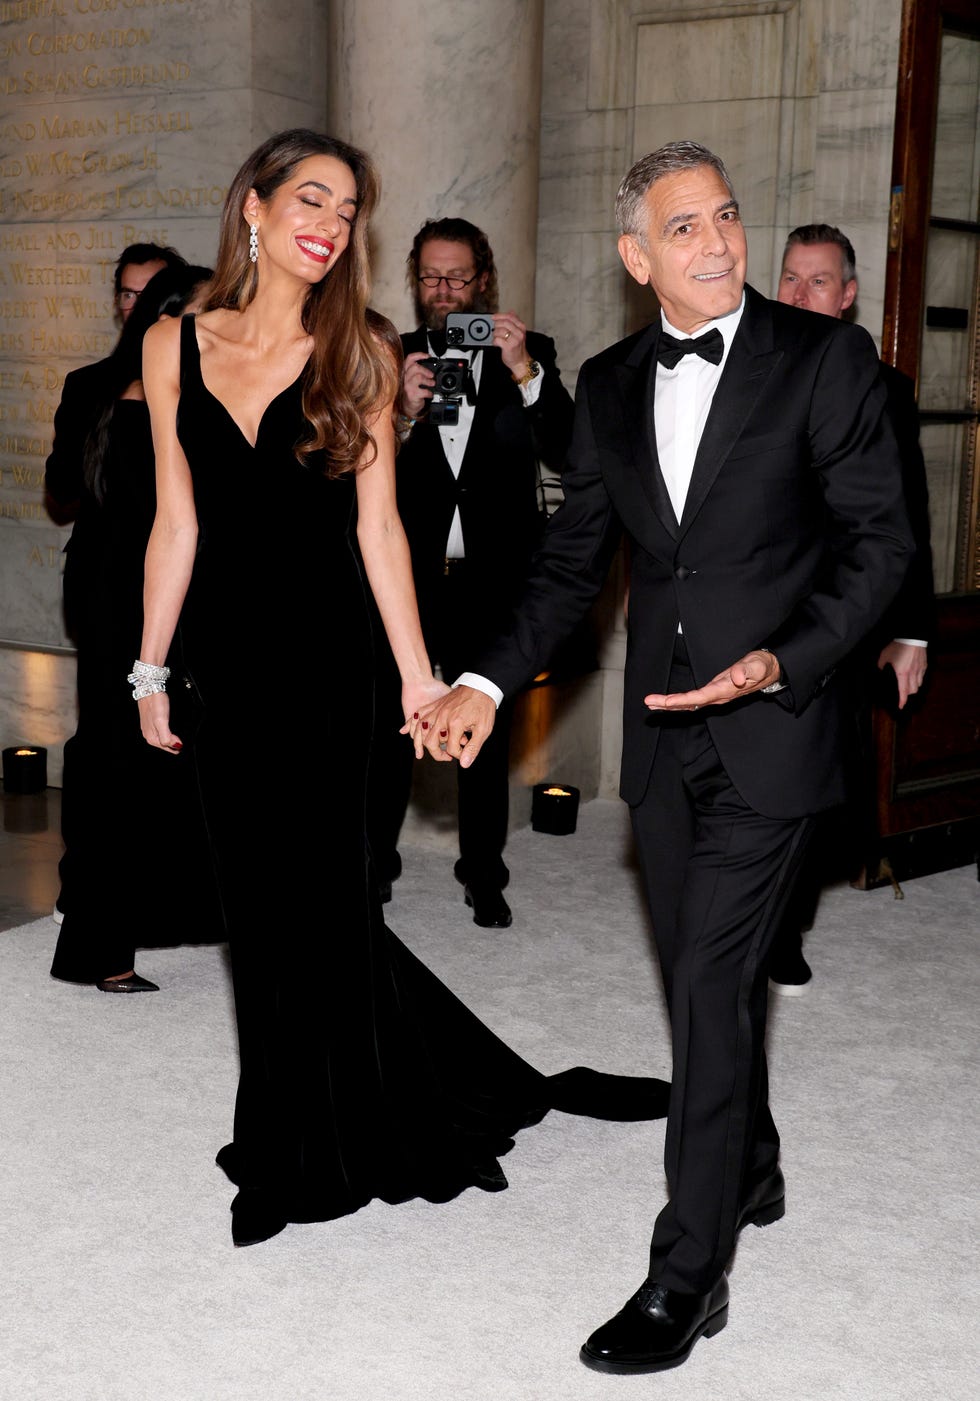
(490, 909)
(657, 1329)
(134, 983)
(765, 1203)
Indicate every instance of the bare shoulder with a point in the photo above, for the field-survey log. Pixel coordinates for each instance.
(161, 352)
(221, 326)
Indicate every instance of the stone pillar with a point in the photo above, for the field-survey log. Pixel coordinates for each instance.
(446, 100)
(121, 123)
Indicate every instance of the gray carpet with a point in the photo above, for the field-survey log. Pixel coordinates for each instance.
(119, 1281)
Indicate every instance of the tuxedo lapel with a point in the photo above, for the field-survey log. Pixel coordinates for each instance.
(750, 362)
(636, 379)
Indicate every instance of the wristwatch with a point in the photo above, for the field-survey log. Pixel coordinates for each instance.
(532, 372)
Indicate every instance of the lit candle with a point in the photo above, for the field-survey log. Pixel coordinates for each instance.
(25, 769)
(554, 809)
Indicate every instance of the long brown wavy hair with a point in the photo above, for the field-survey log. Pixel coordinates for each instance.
(349, 375)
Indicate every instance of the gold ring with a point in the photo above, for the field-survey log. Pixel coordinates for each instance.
(506, 335)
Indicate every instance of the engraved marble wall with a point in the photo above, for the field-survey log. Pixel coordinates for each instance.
(121, 121)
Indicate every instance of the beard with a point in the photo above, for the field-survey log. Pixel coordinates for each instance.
(433, 318)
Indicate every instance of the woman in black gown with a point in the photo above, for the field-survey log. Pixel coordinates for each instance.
(362, 1076)
(110, 863)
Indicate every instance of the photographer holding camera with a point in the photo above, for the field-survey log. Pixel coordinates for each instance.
(478, 413)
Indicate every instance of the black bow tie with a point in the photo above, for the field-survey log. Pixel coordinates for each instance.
(710, 346)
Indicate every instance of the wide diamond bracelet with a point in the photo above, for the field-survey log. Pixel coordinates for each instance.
(147, 679)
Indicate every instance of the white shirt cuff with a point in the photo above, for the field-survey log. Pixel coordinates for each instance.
(911, 641)
(480, 683)
(531, 391)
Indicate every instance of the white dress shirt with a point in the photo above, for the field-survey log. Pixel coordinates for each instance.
(455, 436)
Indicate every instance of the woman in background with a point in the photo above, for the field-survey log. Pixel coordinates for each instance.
(112, 783)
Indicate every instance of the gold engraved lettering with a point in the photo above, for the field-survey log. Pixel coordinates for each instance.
(44, 342)
(136, 75)
(40, 44)
(149, 123)
(60, 202)
(99, 238)
(18, 311)
(65, 128)
(63, 241)
(31, 9)
(20, 242)
(22, 511)
(20, 445)
(132, 233)
(201, 197)
(60, 275)
(32, 477)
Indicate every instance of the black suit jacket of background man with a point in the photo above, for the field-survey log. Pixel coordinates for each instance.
(497, 487)
(794, 537)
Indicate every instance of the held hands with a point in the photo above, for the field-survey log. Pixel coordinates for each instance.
(909, 665)
(456, 726)
(742, 678)
(155, 723)
(417, 699)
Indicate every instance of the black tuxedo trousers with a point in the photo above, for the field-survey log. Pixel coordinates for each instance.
(717, 876)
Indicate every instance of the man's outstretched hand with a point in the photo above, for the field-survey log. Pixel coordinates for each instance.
(750, 673)
(456, 726)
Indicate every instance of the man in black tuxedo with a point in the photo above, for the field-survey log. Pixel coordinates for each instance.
(743, 447)
(468, 497)
(819, 273)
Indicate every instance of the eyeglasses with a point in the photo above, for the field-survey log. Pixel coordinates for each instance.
(127, 297)
(455, 284)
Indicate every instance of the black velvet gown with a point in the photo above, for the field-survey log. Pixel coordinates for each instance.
(362, 1076)
(136, 869)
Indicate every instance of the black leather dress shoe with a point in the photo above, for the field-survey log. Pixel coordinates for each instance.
(490, 909)
(657, 1329)
(765, 1203)
(134, 983)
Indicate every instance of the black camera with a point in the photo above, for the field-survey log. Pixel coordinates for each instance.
(470, 330)
(451, 384)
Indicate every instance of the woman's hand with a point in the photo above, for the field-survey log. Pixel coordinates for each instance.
(415, 699)
(155, 723)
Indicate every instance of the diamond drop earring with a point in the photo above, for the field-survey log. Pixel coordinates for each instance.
(253, 243)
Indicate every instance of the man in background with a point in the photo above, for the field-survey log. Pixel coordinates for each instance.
(135, 266)
(819, 273)
(468, 497)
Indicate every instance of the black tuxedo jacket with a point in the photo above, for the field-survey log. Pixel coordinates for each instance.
(794, 537)
(913, 612)
(496, 490)
(81, 397)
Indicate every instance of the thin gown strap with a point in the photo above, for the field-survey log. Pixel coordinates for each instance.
(190, 351)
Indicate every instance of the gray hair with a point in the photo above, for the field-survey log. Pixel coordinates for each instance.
(807, 234)
(668, 160)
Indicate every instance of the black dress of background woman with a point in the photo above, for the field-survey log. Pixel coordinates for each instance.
(362, 1076)
(135, 869)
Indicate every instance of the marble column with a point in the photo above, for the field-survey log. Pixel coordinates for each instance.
(447, 102)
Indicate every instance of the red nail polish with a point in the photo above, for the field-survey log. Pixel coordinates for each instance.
(425, 724)
(177, 744)
(415, 716)
(443, 734)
